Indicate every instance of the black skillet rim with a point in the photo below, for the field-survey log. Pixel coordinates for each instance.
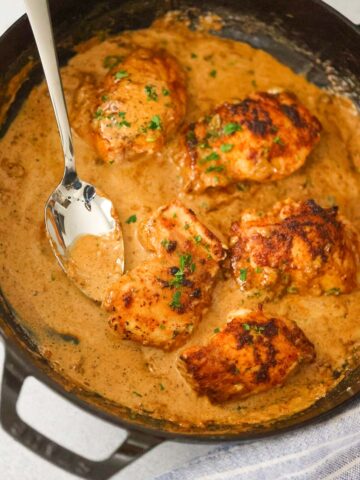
(31, 367)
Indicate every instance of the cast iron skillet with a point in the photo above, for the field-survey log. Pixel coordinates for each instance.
(308, 36)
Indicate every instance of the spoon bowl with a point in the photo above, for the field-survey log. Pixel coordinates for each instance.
(73, 215)
(81, 223)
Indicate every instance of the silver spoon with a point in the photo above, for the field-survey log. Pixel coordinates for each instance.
(76, 214)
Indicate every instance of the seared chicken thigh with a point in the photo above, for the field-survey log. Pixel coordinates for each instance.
(265, 137)
(251, 354)
(141, 103)
(296, 247)
(161, 301)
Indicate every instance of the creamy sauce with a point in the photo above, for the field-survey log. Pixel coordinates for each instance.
(96, 262)
(53, 309)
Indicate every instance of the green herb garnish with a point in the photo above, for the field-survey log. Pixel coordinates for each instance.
(243, 274)
(155, 123)
(226, 147)
(197, 239)
(212, 156)
(165, 92)
(213, 73)
(292, 289)
(278, 141)
(190, 136)
(121, 74)
(175, 302)
(333, 291)
(131, 219)
(99, 114)
(216, 330)
(242, 187)
(214, 168)
(231, 128)
(112, 60)
(151, 94)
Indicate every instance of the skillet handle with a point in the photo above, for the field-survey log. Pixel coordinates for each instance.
(135, 445)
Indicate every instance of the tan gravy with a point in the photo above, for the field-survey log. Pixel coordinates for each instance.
(71, 330)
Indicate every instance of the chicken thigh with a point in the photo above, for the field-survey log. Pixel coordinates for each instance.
(160, 302)
(264, 137)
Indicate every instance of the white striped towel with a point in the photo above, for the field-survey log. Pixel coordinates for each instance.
(329, 450)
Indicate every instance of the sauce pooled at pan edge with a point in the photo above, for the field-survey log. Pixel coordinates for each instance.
(71, 330)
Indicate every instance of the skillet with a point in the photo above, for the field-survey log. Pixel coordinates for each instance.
(309, 37)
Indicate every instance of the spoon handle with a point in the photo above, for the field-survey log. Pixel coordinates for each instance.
(39, 17)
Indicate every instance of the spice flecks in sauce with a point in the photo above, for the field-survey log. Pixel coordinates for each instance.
(100, 361)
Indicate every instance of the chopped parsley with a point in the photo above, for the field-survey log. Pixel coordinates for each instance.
(197, 239)
(99, 114)
(193, 55)
(137, 394)
(165, 243)
(213, 73)
(214, 168)
(104, 98)
(186, 262)
(243, 274)
(131, 219)
(226, 147)
(175, 302)
(258, 328)
(179, 275)
(155, 123)
(253, 83)
(212, 156)
(258, 270)
(151, 93)
(278, 141)
(121, 74)
(216, 330)
(242, 187)
(162, 388)
(246, 326)
(190, 136)
(112, 60)
(204, 144)
(292, 289)
(231, 128)
(333, 291)
(165, 92)
(123, 123)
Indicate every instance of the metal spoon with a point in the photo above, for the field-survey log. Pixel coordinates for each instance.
(75, 211)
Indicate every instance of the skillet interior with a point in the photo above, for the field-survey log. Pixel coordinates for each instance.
(284, 31)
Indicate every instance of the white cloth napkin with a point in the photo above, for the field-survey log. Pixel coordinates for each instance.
(327, 450)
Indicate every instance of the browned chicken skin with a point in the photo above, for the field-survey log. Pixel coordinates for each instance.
(297, 247)
(141, 104)
(265, 137)
(160, 302)
(251, 354)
